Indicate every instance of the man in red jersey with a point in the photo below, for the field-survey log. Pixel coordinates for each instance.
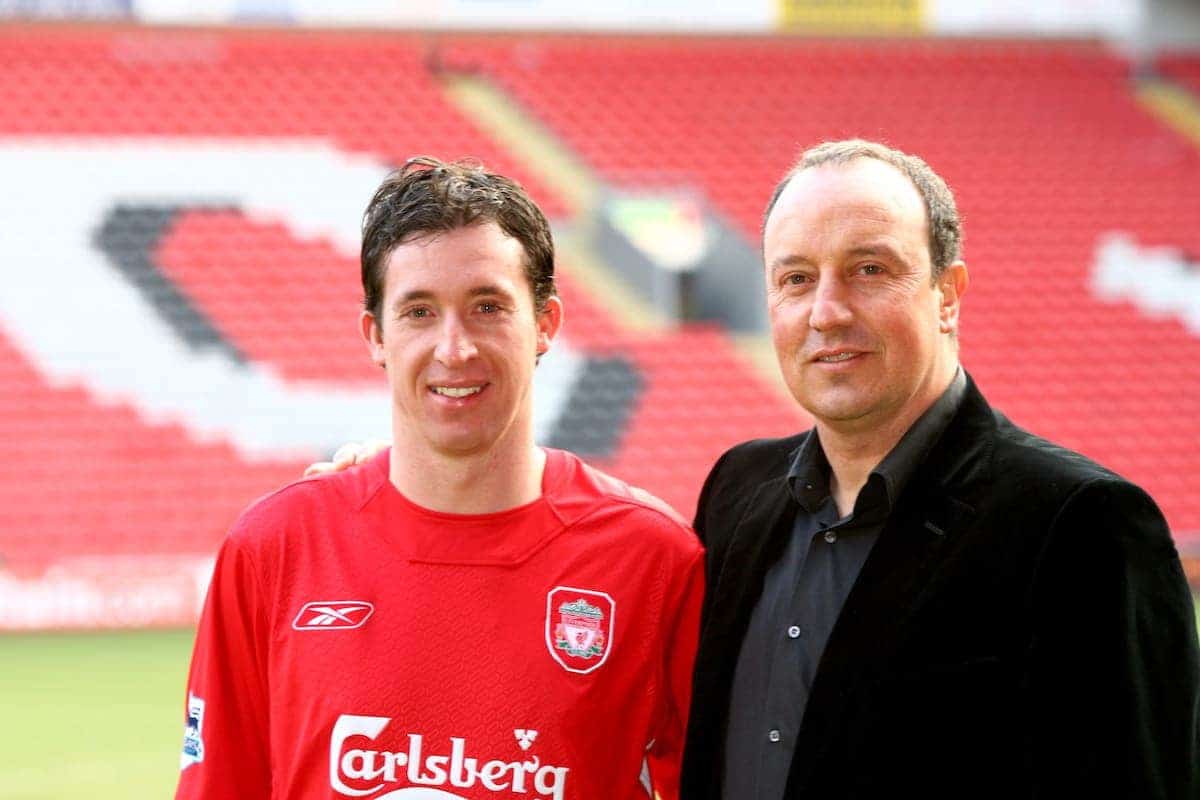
(470, 616)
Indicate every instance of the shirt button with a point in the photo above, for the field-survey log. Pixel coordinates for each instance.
(773, 735)
(794, 632)
(831, 536)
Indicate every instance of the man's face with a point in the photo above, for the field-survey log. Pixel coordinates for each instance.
(861, 332)
(459, 337)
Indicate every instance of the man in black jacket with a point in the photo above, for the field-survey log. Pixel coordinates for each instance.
(916, 597)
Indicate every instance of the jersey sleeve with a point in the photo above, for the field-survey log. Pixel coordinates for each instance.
(682, 630)
(225, 747)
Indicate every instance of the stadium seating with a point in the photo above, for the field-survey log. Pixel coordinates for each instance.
(1183, 68)
(1043, 143)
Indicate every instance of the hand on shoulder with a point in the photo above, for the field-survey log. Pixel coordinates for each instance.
(348, 455)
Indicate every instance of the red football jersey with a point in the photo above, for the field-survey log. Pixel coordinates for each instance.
(356, 645)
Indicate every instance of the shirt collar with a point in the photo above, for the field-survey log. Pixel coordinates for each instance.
(499, 538)
(808, 476)
(899, 465)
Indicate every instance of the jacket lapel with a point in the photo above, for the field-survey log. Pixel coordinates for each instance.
(757, 542)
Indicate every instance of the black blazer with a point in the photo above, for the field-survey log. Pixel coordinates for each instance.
(1022, 629)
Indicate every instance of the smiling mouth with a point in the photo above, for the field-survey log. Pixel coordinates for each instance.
(456, 391)
(835, 358)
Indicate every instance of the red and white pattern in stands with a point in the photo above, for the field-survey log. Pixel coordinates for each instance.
(1043, 143)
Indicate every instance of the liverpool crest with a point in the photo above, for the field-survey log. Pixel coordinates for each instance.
(579, 626)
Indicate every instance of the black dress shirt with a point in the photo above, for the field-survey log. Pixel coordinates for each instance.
(802, 595)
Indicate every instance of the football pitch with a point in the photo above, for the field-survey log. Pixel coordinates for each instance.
(95, 715)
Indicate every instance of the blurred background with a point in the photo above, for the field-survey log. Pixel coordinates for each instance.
(181, 186)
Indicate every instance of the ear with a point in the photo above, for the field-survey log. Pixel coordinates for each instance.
(373, 336)
(952, 285)
(549, 323)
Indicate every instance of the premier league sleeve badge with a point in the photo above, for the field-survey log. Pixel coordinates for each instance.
(193, 742)
(579, 627)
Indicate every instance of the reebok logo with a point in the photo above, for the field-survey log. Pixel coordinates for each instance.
(326, 615)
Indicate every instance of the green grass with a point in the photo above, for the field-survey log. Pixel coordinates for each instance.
(95, 715)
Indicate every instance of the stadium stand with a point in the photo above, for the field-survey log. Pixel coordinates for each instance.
(1044, 143)
(1183, 68)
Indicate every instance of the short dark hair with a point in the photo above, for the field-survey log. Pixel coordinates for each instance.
(945, 226)
(427, 196)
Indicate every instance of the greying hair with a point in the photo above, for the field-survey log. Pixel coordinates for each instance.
(945, 227)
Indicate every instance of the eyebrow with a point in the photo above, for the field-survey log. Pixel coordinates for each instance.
(790, 260)
(879, 249)
(486, 290)
(876, 249)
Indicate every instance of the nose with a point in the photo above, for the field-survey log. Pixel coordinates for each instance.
(830, 306)
(455, 345)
